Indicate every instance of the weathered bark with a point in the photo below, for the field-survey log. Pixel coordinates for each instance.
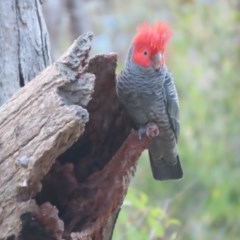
(89, 181)
(37, 124)
(97, 201)
(23, 44)
(48, 188)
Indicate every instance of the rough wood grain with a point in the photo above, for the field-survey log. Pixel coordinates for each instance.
(24, 44)
(37, 124)
(104, 192)
(89, 181)
(43, 195)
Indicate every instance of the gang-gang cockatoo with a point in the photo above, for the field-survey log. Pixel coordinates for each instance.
(146, 90)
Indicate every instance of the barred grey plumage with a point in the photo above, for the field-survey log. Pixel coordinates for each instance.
(150, 96)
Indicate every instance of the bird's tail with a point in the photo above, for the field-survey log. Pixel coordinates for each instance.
(161, 169)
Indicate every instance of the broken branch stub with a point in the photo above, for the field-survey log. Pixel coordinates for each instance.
(37, 124)
(89, 181)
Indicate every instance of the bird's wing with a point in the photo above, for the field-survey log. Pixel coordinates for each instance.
(163, 167)
(171, 102)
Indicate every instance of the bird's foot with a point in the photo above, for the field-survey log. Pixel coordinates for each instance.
(151, 130)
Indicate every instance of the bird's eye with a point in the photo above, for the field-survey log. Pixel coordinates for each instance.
(145, 53)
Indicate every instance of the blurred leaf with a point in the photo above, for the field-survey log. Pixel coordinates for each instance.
(174, 221)
(155, 227)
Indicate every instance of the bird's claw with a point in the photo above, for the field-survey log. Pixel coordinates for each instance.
(141, 132)
(151, 130)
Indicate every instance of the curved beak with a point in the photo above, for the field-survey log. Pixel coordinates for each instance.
(157, 61)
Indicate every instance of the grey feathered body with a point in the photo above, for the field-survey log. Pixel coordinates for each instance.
(150, 96)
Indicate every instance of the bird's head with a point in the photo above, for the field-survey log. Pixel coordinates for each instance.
(149, 44)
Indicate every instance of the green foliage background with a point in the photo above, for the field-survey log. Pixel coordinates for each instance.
(204, 57)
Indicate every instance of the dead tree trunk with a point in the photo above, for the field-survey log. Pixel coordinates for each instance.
(24, 45)
(65, 162)
(37, 124)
